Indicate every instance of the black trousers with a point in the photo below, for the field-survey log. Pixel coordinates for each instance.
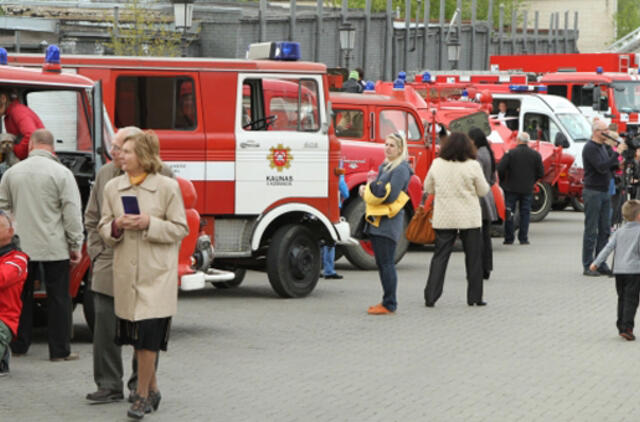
(472, 245)
(487, 249)
(55, 275)
(628, 288)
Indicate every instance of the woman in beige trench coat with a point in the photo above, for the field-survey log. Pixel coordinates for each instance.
(145, 264)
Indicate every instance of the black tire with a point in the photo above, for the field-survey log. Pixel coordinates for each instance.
(542, 201)
(339, 252)
(357, 254)
(293, 261)
(577, 204)
(88, 307)
(237, 280)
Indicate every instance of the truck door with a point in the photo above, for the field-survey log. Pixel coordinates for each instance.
(281, 150)
(541, 127)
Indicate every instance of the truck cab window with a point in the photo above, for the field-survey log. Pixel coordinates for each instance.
(156, 102)
(280, 105)
(348, 123)
(540, 127)
(399, 121)
(560, 90)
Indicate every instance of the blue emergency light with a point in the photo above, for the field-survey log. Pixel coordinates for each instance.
(398, 84)
(465, 94)
(274, 50)
(402, 75)
(370, 86)
(528, 88)
(52, 59)
(4, 58)
(426, 77)
(599, 70)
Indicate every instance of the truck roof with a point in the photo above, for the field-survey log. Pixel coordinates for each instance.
(367, 99)
(36, 77)
(174, 63)
(587, 77)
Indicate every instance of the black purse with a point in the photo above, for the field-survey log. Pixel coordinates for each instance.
(359, 231)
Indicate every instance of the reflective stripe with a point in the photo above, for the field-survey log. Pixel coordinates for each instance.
(22, 258)
(15, 265)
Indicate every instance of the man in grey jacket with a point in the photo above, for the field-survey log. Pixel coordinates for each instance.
(107, 356)
(43, 195)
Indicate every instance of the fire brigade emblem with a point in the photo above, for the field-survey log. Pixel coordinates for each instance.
(280, 157)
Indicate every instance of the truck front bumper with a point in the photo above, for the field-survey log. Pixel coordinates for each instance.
(199, 279)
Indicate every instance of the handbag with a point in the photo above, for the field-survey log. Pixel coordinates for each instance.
(358, 232)
(420, 230)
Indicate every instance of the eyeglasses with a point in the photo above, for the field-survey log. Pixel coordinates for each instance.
(115, 148)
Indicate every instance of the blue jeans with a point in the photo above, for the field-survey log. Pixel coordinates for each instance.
(524, 200)
(328, 260)
(597, 213)
(384, 250)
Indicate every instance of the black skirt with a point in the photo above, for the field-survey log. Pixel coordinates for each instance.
(148, 334)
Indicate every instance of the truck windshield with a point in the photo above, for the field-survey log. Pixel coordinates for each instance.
(577, 126)
(627, 96)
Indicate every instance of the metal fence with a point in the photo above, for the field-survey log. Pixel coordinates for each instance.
(384, 45)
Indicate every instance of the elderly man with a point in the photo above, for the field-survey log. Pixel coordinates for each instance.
(519, 170)
(599, 161)
(13, 273)
(43, 195)
(20, 121)
(107, 356)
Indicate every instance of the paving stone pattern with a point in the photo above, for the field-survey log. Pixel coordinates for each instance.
(544, 349)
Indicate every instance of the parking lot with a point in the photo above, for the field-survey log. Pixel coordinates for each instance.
(544, 349)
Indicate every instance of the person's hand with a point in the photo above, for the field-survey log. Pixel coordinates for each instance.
(593, 267)
(361, 190)
(140, 221)
(75, 257)
(622, 147)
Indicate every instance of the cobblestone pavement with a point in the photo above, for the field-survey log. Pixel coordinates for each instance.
(545, 349)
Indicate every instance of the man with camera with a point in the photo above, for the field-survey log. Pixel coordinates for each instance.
(599, 162)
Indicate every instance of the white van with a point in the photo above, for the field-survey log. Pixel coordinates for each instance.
(547, 118)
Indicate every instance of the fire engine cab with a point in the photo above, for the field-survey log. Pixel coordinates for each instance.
(264, 162)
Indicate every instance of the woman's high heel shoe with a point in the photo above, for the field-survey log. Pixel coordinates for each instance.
(481, 303)
(154, 399)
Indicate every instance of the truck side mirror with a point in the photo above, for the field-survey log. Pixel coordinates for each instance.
(561, 140)
(596, 98)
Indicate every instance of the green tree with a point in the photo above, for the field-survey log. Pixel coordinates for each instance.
(627, 17)
(140, 32)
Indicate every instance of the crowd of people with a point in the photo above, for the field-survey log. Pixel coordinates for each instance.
(140, 237)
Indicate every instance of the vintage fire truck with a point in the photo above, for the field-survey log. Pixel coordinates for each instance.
(71, 107)
(265, 166)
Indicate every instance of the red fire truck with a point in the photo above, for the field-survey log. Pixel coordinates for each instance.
(267, 189)
(578, 62)
(71, 107)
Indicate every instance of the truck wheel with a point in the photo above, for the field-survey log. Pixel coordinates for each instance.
(577, 204)
(88, 307)
(293, 261)
(362, 255)
(542, 200)
(237, 280)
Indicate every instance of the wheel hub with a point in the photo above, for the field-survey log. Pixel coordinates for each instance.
(300, 260)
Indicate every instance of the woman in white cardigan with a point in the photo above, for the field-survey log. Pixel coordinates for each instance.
(457, 181)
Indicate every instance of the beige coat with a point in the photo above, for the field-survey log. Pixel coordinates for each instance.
(457, 186)
(43, 195)
(100, 253)
(145, 263)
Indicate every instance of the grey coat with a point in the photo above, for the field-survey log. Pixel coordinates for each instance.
(487, 202)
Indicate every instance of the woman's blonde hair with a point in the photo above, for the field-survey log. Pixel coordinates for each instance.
(401, 143)
(147, 148)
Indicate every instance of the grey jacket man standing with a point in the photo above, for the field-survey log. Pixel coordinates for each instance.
(107, 356)
(43, 195)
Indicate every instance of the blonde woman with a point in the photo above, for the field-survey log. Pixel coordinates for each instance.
(145, 265)
(385, 198)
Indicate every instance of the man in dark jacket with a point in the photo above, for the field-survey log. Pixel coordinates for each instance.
(519, 170)
(352, 85)
(598, 161)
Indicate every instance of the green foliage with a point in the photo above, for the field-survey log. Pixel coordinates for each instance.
(628, 16)
(139, 33)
